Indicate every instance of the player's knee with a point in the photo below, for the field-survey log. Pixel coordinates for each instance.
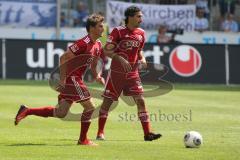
(89, 108)
(107, 102)
(60, 113)
(140, 102)
(88, 105)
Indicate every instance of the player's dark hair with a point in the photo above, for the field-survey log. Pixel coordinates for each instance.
(130, 12)
(93, 20)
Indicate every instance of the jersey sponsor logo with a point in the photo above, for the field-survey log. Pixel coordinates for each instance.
(128, 44)
(74, 48)
(185, 61)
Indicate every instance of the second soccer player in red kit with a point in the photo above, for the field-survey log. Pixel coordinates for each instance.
(73, 64)
(124, 46)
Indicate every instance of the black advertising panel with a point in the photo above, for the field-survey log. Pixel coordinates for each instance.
(234, 64)
(189, 63)
(32, 60)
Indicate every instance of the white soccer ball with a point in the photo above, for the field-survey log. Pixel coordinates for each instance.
(193, 139)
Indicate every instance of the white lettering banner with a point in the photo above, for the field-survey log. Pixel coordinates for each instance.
(28, 13)
(174, 16)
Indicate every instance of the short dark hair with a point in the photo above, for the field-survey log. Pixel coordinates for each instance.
(130, 12)
(93, 20)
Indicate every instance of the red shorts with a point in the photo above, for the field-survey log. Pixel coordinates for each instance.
(74, 91)
(117, 82)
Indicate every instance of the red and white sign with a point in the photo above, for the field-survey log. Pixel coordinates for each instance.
(185, 61)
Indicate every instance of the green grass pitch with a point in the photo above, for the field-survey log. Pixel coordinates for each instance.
(213, 110)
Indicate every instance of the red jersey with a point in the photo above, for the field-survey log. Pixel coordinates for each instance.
(84, 49)
(128, 45)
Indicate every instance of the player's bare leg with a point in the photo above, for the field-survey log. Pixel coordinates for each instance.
(103, 114)
(85, 123)
(62, 109)
(59, 111)
(144, 118)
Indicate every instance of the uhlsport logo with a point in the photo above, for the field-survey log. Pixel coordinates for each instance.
(185, 60)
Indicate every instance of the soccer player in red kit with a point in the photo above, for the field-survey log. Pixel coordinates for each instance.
(84, 53)
(124, 46)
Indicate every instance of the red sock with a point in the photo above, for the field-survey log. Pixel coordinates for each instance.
(144, 118)
(42, 112)
(85, 123)
(103, 114)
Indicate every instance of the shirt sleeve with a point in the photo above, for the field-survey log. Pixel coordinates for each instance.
(78, 47)
(143, 42)
(113, 36)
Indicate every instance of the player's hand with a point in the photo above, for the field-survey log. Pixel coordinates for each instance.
(125, 64)
(144, 63)
(100, 80)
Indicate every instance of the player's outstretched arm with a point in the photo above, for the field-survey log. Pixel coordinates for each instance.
(109, 51)
(142, 59)
(97, 76)
(68, 55)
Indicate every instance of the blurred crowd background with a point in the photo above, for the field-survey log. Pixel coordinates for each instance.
(214, 15)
